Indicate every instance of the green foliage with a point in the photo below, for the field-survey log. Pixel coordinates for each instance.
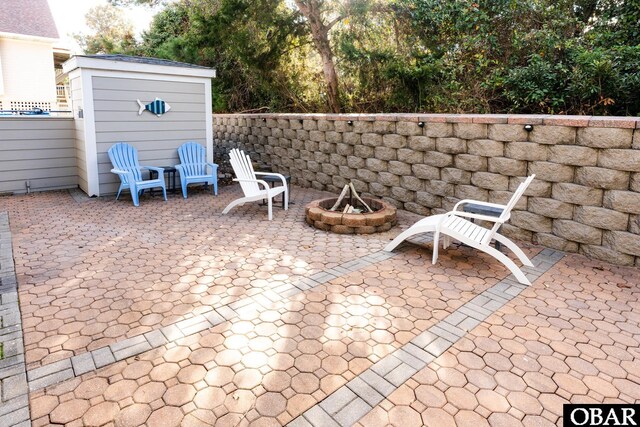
(112, 32)
(616, 22)
(538, 86)
(248, 42)
(586, 80)
(540, 56)
(136, 2)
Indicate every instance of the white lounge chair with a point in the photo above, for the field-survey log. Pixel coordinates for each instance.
(250, 184)
(454, 225)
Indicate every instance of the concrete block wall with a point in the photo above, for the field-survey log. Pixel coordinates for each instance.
(586, 196)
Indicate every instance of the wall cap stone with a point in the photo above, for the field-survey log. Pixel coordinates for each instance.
(534, 119)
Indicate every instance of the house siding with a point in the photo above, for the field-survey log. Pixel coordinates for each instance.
(40, 150)
(155, 138)
(27, 73)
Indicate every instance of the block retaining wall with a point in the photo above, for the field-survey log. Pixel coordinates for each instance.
(586, 196)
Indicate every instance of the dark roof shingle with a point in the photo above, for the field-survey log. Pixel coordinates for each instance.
(27, 17)
(143, 60)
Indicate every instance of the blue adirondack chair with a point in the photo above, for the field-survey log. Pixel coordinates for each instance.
(124, 159)
(193, 167)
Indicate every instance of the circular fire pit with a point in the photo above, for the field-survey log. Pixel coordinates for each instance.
(318, 215)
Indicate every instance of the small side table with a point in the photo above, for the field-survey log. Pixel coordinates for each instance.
(483, 210)
(170, 173)
(272, 180)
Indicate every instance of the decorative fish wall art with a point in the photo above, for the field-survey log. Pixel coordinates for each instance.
(157, 107)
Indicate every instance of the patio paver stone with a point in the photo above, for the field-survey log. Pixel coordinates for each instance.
(219, 320)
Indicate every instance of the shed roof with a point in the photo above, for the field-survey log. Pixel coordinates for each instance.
(144, 60)
(136, 64)
(27, 17)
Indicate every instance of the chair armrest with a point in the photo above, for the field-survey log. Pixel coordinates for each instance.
(282, 178)
(479, 216)
(128, 174)
(120, 171)
(257, 181)
(214, 167)
(477, 202)
(152, 168)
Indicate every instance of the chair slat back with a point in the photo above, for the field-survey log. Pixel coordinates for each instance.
(193, 158)
(243, 169)
(510, 205)
(125, 157)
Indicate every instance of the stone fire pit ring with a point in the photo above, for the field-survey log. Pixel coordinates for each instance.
(318, 215)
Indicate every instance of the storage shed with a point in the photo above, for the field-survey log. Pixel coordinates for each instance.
(107, 92)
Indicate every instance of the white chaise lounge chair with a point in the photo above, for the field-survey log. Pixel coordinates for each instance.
(454, 225)
(247, 178)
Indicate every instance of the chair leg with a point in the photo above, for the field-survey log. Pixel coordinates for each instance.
(399, 239)
(214, 183)
(134, 195)
(416, 228)
(514, 248)
(436, 239)
(506, 261)
(232, 205)
(119, 191)
(286, 198)
(270, 203)
(164, 193)
(183, 183)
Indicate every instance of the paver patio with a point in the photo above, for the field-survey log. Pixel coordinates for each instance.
(173, 314)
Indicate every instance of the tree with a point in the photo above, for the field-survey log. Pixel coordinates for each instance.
(494, 56)
(140, 2)
(250, 42)
(112, 32)
(616, 22)
(167, 26)
(313, 11)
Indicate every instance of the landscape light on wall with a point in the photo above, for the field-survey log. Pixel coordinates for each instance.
(421, 124)
(350, 122)
(528, 128)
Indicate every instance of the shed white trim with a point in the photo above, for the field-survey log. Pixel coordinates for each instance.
(115, 65)
(90, 135)
(209, 124)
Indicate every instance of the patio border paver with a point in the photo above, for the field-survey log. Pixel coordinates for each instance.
(14, 392)
(78, 195)
(355, 399)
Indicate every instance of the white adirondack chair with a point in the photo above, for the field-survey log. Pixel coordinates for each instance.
(250, 184)
(454, 225)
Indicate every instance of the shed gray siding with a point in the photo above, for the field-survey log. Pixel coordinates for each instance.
(81, 153)
(37, 149)
(156, 138)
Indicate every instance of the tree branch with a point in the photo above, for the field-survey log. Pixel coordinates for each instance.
(334, 22)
